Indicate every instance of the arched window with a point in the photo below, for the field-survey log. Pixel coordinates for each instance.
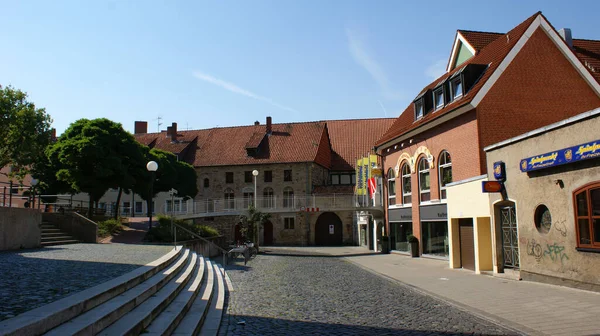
(406, 184)
(288, 197)
(424, 180)
(229, 197)
(268, 198)
(445, 172)
(587, 216)
(248, 197)
(206, 183)
(391, 181)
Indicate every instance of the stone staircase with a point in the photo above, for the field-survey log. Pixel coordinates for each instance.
(51, 235)
(181, 293)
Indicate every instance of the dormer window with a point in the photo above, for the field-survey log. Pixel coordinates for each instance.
(438, 98)
(456, 88)
(418, 109)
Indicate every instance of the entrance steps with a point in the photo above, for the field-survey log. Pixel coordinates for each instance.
(51, 235)
(182, 293)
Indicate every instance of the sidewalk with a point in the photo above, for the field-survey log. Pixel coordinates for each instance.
(531, 307)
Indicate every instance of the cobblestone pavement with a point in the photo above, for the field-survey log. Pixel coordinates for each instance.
(32, 278)
(317, 295)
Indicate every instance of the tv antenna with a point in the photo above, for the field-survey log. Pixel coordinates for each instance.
(158, 123)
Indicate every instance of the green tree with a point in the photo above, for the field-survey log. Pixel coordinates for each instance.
(95, 155)
(252, 222)
(24, 129)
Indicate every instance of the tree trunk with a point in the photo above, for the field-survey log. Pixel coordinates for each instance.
(91, 206)
(257, 234)
(116, 215)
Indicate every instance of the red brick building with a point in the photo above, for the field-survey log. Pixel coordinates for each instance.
(496, 86)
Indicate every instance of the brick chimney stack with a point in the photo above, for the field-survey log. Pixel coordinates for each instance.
(168, 131)
(174, 132)
(269, 125)
(53, 134)
(141, 127)
(256, 123)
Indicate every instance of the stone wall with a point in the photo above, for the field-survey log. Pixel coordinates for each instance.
(19, 228)
(74, 224)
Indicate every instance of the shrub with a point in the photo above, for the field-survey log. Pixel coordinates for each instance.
(162, 232)
(109, 227)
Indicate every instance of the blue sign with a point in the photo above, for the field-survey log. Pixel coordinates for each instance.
(581, 152)
(500, 171)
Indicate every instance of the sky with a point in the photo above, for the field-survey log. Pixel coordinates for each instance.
(205, 64)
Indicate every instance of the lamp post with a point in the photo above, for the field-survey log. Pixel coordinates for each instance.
(255, 174)
(172, 193)
(152, 167)
(10, 186)
(34, 182)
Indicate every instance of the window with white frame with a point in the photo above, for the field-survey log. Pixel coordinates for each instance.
(445, 174)
(288, 197)
(391, 182)
(248, 195)
(139, 207)
(419, 109)
(126, 208)
(456, 88)
(289, 223)
(229, 199)
(438, 98)
(424, 185)
(268, 198)
(406, 184)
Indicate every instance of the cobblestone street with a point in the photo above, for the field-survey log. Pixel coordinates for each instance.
(32, 278)
(315, 295)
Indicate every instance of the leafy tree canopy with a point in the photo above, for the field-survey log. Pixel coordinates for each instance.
(24, 129)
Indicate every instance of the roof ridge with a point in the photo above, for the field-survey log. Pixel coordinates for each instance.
(588, 40)
(358, 119)
(479, 31)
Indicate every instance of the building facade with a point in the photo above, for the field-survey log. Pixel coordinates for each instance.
(551, 206)
(496, 86)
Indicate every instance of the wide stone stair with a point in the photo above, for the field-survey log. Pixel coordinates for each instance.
(181, 293)
(51, 235)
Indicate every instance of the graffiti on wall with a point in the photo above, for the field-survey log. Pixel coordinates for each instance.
(556, 252)
(561, 227)
(534, 249)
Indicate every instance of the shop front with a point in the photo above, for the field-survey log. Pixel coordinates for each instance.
(401, 227)
(434, 230)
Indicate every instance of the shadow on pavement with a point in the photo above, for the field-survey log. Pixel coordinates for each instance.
(254, 325)
(314, 254)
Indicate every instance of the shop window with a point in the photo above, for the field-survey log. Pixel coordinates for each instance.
(391, 182)
(268, 175)
(289, 223)
(288, 197)
(406, 185)
(399, 236)
(434, 236)
(268, 198)
(229, 198)
(287, 175)
(445, 174)
(424, 186)
(229, 177)
(542, 219)
(587, 215)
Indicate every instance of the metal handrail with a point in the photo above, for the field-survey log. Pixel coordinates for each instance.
(223, 251)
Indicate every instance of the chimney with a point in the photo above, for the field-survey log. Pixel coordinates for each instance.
(174, 132)
(141, 127)
(53, 134)
(269, 126)
(565, 33)
(256, 123)
(168, 131)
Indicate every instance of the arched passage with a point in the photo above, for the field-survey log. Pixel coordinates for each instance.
(268, 233)
(328, 230)
(238, 233)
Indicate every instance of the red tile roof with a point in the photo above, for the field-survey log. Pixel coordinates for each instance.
(492, 54)
(354, 139)
(588, 52)
(479, 40)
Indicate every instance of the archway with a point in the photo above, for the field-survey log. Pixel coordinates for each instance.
(238, 233)
(268, 233)
(328, 230)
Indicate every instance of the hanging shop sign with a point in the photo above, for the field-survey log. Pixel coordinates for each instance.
(500, 171)
(581, 152)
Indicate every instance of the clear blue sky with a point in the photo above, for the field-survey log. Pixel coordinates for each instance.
(225, 63)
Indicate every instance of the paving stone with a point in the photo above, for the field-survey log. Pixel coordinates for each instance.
(32, 278)
(316, 295)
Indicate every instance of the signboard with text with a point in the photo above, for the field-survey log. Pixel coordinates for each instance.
(581, 152)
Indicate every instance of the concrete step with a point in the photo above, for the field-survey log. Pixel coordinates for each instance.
(47, 317)
(62, 237)
(136, 321)
(95, 320)
(193, 320)
(58, 242)
(211, 324)
(168, 320)
(52, 232)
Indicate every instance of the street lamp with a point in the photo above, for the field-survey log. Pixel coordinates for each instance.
(255, 173)
(34, 182)
(152, 168)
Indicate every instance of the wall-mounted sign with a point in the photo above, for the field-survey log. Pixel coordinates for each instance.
(581, 152)
(331, 229)
(500, 171)
(492, 186)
